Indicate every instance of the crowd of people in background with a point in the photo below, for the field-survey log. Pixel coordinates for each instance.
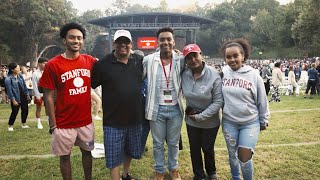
(143, 93)
(292, 74)
(294, 71)
(31, 77)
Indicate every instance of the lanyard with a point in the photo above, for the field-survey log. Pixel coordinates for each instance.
(165, 74)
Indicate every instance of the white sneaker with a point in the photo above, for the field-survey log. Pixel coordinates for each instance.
(40, 126)
(97, 118)
(25, 126)
(10, 128)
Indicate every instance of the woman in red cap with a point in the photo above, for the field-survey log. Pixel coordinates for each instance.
(201, 86)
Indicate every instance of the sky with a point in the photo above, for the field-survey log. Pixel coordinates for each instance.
(84, 5)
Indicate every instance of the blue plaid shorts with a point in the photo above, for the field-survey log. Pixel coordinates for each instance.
(120, 143)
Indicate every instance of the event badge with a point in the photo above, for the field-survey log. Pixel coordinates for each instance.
(167, 96)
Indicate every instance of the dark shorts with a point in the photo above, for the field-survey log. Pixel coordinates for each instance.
(120, 143)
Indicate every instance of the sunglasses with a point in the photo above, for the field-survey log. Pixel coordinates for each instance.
(121, 41)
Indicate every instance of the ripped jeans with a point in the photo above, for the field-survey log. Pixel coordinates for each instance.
(240, 135)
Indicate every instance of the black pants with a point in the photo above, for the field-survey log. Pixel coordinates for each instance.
(202, 139)
(15, 109)
(267, 86)
(311, 84)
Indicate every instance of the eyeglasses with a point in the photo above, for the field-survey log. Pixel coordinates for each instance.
(121, 41)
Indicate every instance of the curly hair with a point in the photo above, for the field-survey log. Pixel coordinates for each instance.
(164, 29)
(243, 44)
(65, 28)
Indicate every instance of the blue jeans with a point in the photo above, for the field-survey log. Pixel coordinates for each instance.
(167, 126)
(240, 135)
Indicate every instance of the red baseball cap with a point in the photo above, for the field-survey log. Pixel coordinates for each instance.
(191, 48)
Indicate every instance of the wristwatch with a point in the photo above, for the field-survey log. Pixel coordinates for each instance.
(52, 129)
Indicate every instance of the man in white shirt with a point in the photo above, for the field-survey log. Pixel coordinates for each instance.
(38, 95)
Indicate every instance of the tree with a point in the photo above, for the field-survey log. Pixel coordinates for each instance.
(263, 25)
(284, 19)
(92, 30)
(5, 57)
(163, 6)
(138, 8)
(223, 30)
(118, 7)
(306, 29)
(33, 24)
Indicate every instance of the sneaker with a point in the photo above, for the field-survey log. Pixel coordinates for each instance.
(25, 126)
(10, 128)
(127, 178)
(40, 126)
(97, 118)
(198, 177)
(159, 176)
(174, 174)
(213, 177)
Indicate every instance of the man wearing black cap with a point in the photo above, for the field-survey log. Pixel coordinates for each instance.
(119, 74)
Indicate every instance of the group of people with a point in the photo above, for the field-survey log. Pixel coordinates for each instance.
(19, 87)
(142, 94)
(274, 76)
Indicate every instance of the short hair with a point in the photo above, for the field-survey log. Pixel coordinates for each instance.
(164, 29)
(11, 67)
(277, 64)
(42, 60)
(65, 28)
(243, 44)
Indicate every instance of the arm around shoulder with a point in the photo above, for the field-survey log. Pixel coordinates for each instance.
(96, 75)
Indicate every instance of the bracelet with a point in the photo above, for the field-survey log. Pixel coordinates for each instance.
(52, 129)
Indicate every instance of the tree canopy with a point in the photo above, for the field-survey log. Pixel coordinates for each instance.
(29, 26)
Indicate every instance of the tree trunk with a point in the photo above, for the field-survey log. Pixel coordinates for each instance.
(34, 60)
(42, 51)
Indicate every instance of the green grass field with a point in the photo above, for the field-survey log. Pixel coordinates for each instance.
(288, 149)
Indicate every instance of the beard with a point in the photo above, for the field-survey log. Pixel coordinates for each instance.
(122, 54)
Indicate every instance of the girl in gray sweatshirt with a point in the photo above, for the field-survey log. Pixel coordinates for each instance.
(245, 111)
